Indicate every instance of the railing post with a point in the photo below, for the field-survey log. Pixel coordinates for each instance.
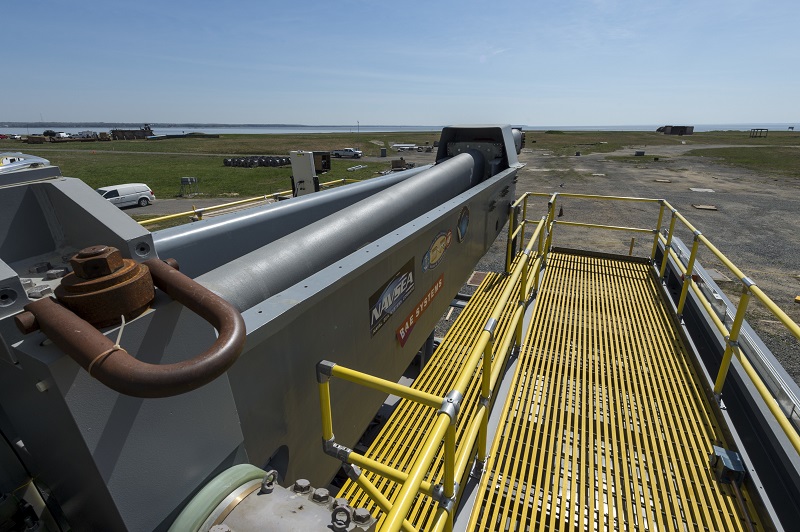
(551, 208)
(509, 243)
(450, 470)
(486, 383)
(657, 231)
(733, 338)
(687, 278)
(541, 235)
(323, 383)
(549, 241)
(523, 296)
(537, 270)
(667, 246)
(524, 220)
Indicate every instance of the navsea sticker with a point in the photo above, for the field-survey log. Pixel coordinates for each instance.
(408, 325)
(384, 302)
(463, 224)
(437, 250)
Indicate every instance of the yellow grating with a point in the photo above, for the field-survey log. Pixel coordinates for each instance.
(605, 427)
(404, 433)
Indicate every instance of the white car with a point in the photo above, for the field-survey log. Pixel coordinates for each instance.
(128, 194)
(351, 153)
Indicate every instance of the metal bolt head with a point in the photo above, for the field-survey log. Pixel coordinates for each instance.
(339, 501)
(92, 251)
(341, 518)
(96, 261)
(321, 495)
(361, 516)
(301, 485)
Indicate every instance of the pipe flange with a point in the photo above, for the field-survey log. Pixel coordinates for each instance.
(103, 287)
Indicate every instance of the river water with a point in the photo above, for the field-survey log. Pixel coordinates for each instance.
(38, 128)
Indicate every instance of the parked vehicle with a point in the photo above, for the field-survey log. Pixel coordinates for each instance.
(128, 194)
(347, 152)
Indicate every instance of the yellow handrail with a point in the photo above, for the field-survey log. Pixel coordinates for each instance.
(455, 463)
(532, 259)
(749, 289)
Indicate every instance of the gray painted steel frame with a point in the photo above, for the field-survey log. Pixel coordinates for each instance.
(116, 462)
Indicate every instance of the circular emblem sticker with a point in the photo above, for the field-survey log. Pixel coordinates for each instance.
(437, 250)
(463, 224)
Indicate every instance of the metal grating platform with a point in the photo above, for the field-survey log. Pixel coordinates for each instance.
(605, 427)
(398, 443)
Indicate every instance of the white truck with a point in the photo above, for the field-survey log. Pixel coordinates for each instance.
(347, 152)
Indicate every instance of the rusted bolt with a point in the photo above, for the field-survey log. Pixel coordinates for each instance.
(301, 485)
(96, 261)
(361, 516)
(92, 251)
(321, 495)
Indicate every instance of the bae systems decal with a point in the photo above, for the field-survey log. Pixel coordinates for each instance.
(390, 296)
(436, 252)
(408, 325)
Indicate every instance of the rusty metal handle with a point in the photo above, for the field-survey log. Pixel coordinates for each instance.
(125, 374)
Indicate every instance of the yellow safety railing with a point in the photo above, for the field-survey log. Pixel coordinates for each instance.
(526, 271)
(749, 289)
(456, 461)
(198, 213)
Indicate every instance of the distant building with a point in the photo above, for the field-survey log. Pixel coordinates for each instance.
(132, 134)
(676, 130)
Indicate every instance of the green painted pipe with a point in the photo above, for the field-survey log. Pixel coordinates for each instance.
(197, 511)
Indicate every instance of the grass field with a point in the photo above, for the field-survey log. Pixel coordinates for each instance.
(161, 164)
(782, 160)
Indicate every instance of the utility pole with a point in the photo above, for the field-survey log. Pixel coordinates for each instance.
(358, 126)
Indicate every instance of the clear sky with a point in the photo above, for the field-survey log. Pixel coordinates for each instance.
(402, 62)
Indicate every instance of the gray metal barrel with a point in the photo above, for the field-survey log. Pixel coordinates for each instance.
(201, 246)
(254, 277)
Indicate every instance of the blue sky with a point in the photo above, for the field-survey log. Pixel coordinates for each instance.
(582, 62)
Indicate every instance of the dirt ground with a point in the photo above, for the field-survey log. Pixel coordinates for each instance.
(756, 223)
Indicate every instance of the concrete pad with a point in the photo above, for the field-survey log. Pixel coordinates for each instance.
(717, 276)
(701, 189)
(705, 207)
(476, 278)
